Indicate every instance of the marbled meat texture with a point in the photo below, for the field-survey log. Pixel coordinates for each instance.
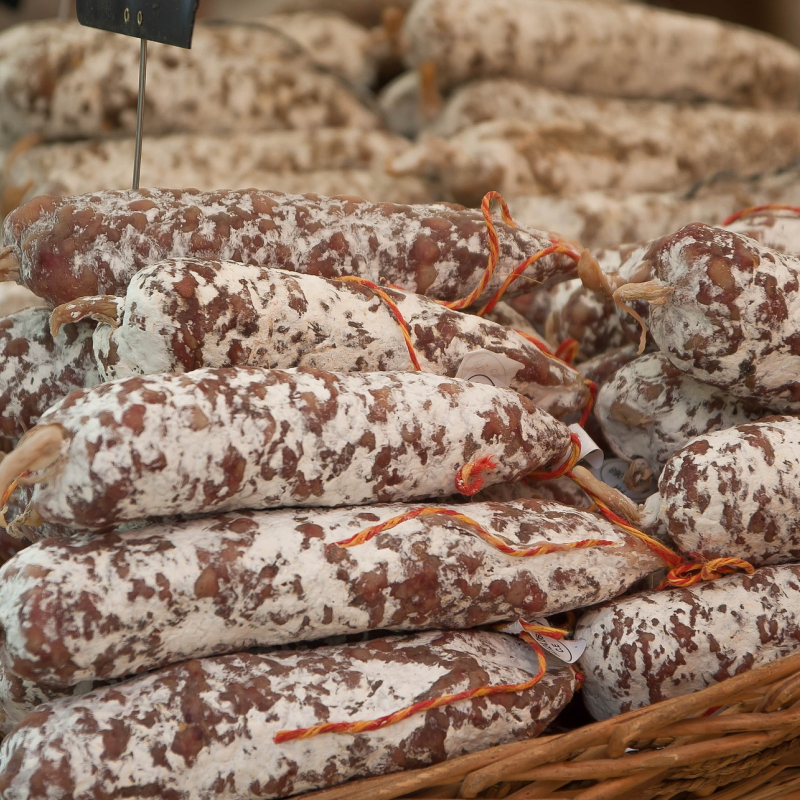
(736, 493)
(324, 160)
(586, 316)
(183, 315)
(649, 409)
(205, 728)
(67, 81)
(731, 316)
(36, 370)
(73, 609)
(71, 247)
(223, 439)
(604, 49)
(657, 645)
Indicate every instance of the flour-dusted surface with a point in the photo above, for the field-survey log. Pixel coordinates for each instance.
(223, 439)
(736, 493)
(328, 161)
(649, 409)
(658, 645)
(730, 319)
(778, 229)
(74, 609)
(71, 247)
(183, 315)
(621, 50)
(204, 728)
(67, 81)
(36, 370)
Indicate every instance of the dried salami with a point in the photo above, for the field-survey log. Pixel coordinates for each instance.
(70, 247)
(221, 439)
(723, 310)
(657, 645)
(605, 49)
(649, 409)
(276, 577)
(181, 315)
(38, 369)
(206, 727)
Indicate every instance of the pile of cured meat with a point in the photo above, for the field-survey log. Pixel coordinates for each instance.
(291, 486)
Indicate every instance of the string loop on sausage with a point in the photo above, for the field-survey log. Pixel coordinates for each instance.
(747, 212)
(565, 468)
(365, 726)
(468, 479)
(393, 308)
(682, 573)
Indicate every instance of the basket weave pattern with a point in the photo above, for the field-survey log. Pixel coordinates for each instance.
(737, 739)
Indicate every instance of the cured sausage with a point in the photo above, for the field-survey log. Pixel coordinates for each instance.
(221, 439)
(37, 369)
(649, 409)
(70, 247)
(723, 310)
(67, 81)
(627, 147)
(329, 161)
(605, 49)
(182, 315)
(657, 645)
(72, 609)
(206, 728)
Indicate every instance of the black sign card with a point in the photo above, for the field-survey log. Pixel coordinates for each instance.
(166, 21)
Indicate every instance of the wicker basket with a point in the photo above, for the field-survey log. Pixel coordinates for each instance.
(749, 748)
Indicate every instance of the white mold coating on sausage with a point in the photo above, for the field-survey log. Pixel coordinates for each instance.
(657, 645)
(182, 315)
(205, 728)
(72, 609)
(217, 440)
(736, 492)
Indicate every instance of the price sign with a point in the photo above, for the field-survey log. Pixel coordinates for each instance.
(165, 21)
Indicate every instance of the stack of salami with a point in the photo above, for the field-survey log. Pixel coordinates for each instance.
(288, 496)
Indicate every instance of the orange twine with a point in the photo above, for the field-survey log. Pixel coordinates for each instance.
(567, 351)
(487, 536)
(393, 308)
(365, 726)
(468, 479)
(683, 573)
(592, 386)
(7, 496)
(494, 255)
(746, 212)
(566, 467)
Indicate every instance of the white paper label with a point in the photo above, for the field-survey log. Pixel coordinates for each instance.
(590, 452)
(613, 472)
(482, 366)
(566, 650)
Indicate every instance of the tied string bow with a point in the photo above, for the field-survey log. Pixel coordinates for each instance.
(365, 726)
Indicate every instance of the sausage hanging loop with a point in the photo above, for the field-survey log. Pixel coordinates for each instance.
(654, 292)
(101, 308)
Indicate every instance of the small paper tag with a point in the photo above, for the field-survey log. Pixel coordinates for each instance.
(613, 472)
(483, 366)
(590, 452)
(567, 650)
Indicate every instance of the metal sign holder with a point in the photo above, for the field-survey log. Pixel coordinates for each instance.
(147, 20)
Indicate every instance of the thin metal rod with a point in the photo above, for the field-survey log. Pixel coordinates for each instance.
(64, 8)
(137, 158)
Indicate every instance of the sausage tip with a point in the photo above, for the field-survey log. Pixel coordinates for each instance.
(9, 264)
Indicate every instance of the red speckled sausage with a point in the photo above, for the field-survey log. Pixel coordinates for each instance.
(63, 248)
